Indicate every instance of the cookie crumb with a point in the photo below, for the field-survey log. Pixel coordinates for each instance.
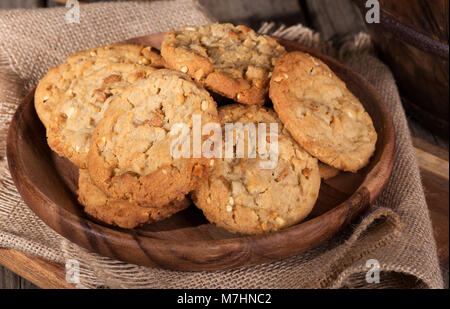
(306, 172)
(180, 98)
(204, 105)
(198, 170)
(113, 78)
(103, 141)
(280, 221)
(264, 226)
(282, 175)
(278, 78)
(351, 114)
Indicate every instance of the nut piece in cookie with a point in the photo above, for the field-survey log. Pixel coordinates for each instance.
(72, 97)
(245, 198)
(322, 115)
(132, 153)
(123, 213)
(233, 61)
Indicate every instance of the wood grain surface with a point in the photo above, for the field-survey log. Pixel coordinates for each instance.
(434, 167)
(40, 272)
(413, 39)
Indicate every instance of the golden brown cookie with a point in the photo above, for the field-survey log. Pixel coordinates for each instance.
(327, 172)
(122, 213)
(245, 198)
(72, 97)
(322, 115)
(131, 156)
(233, 61)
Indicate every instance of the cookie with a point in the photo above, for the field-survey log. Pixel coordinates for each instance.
(322, 115)
(72, 97)
(122, 213)
(327, 172)
(59, 77)
(130, 154)
(242, 197)
(233, 61)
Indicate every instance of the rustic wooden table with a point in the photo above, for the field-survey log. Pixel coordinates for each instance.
(336, 21)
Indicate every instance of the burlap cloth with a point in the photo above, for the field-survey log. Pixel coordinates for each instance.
(396, 230)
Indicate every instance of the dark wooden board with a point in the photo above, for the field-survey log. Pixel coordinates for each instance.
(412, 37)
(38, 272)
(434, 167)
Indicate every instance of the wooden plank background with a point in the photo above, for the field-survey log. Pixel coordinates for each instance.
(336, 21)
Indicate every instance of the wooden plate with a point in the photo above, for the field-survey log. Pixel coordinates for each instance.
(186, 241)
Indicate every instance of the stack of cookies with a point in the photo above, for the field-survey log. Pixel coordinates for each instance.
(114, 112)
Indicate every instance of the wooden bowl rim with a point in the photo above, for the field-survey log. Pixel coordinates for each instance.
(381, 170)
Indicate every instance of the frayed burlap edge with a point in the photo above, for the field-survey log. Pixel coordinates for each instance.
(361, 43)
(10, 85)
